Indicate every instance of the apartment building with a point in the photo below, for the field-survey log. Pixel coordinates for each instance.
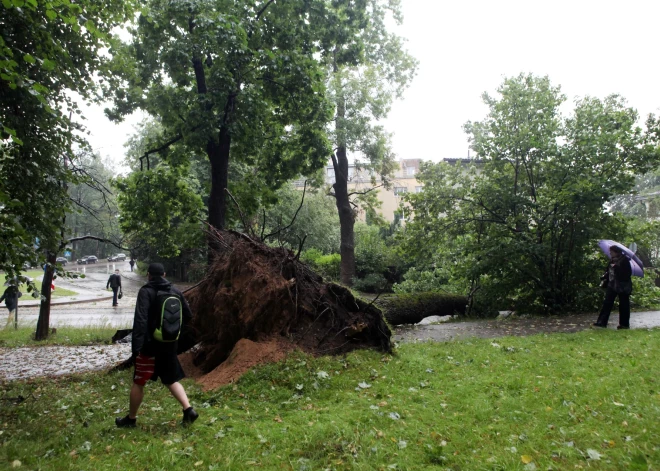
(404, 181)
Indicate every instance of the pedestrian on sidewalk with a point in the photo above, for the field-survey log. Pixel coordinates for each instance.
(154, 357)
(114, 282)
(10, 297)
(131, 263)
(619, 283)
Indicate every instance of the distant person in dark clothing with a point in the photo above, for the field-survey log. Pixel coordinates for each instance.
(114, 282)
(132, 263)
(153, 358)
(619, 283)
(10, 297)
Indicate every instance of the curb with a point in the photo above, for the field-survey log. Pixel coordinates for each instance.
(64, 303)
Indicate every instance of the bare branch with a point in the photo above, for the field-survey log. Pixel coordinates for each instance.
(240, 212)
(263, 9)
(159, 149)
(364, 192)
(90, 237)
(302, 200)
(300, 247)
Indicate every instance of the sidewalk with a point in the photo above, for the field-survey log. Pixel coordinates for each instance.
(83, 296)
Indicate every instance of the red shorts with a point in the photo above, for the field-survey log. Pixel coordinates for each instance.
(144, 369)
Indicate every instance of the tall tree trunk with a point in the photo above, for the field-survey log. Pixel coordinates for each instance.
(218, 154)
(43, 324)
(346, 217)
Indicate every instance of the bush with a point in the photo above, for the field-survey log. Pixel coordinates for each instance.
(372, 283)
(411, 308)
(420, 281)
(325, 265)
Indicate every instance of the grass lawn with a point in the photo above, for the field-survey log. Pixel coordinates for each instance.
(68, 336)
(37, 276)
(566, 401)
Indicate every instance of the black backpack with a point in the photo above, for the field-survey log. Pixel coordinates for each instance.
(168, 316)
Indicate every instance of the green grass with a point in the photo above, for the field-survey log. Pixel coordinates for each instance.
(69, 336)
(37, 276)
(564, 401)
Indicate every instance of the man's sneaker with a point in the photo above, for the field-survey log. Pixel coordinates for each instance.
(622, 327)
(189, 415)
(125, 422)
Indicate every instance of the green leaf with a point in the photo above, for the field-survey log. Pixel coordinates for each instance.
(51, 14)
(48, 64)
(29, 59)
(7, 3)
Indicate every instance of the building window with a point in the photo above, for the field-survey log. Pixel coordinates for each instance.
(410, 171)
(418, 189)
(400, 190)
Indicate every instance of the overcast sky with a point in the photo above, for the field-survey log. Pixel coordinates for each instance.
(467, 47)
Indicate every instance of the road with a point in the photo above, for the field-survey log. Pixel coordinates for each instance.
(92, 313)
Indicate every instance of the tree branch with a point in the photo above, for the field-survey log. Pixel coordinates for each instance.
(263, 9)
(89, 237)
(159, 149)
(240, 212)
(294, 216)
(364, 192)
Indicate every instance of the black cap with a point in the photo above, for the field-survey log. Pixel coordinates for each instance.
(156, 269)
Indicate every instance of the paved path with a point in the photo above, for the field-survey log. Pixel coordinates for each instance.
(517, 326)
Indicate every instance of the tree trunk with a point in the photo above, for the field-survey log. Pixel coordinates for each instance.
(346, 215)
(43, 324)
(346, 218)
(218, 154)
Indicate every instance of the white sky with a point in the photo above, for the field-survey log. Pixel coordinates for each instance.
(467, 47)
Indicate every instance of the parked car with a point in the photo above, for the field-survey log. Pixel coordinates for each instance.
(82, 261)
(92, 259)
(63, 261)
(119, 257)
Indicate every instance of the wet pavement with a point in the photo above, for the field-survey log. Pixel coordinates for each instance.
(518, 326)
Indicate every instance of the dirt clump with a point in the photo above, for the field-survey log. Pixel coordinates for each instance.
(245, 356)
(269, 302)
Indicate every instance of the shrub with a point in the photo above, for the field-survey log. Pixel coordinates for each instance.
(325, 265)
(372, 283)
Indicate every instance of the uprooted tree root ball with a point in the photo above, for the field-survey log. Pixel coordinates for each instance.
(256, 292)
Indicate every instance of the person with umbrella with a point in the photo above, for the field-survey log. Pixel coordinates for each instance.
(618, 282)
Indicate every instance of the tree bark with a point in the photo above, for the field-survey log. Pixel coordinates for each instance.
(346, 215)
(43, 324)
(346, 218)
(218, 154)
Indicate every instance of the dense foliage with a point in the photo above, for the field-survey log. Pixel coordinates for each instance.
(48, 51)
(519, 227)
(236, 82)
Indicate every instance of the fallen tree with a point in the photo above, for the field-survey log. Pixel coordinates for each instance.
(257, 292)
(412, 308)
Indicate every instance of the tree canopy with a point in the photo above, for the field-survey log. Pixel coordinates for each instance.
(235, 79)
(48, 51)
(524, 220)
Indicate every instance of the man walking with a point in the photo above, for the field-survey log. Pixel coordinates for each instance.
(132, 263)
(114, 282)
(10, 297)
(155, 357)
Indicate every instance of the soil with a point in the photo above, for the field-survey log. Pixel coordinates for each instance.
(265, 294)
(245, 356)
